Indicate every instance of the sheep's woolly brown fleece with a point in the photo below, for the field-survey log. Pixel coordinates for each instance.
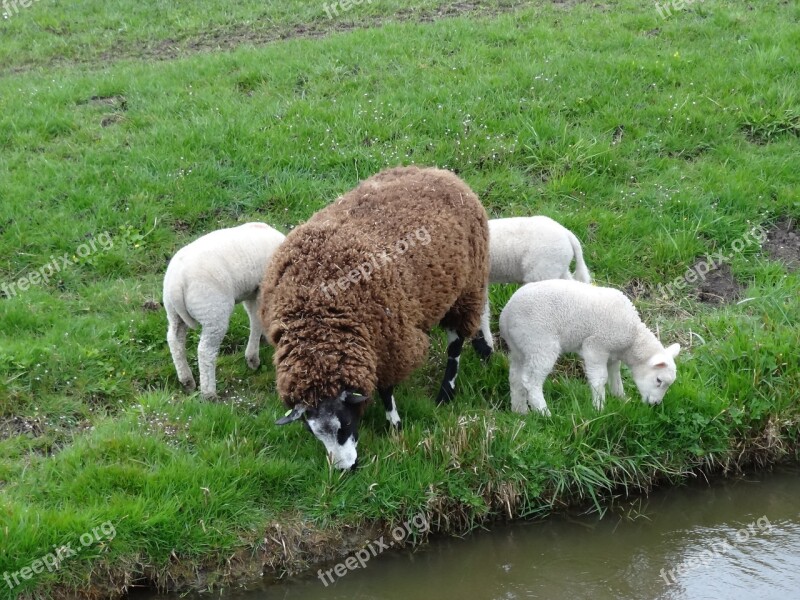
(375, 332)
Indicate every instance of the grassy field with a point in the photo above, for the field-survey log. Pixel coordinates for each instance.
(657, 141)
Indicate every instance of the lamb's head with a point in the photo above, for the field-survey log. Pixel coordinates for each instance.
(334, 421)
(654, 376)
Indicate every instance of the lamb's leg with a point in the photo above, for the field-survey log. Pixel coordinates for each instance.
(254, 342)
(176, 338)
(595, 363)
(483, 341)
(448, 388)
(615, 379)
(387, 395)
(519, 395)
(537, 368)
(214, 328)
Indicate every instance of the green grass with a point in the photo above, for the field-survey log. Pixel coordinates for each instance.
(525, 107)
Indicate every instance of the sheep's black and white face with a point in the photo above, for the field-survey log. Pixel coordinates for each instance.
(335, 423)
(654, 377)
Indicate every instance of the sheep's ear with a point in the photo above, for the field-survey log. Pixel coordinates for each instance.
(353, 398)
(674, 350)
(292, 415)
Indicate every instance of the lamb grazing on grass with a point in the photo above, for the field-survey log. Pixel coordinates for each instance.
(527, 249)
(350, 297)
(203, 283)
(545, 319)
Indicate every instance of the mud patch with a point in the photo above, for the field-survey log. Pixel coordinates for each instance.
(110, 120)
(637, 288)
(151, 305)
(116, 102)
(783, 243)
(225, 40)
(15, 426)
(719, 286)
(112, 108)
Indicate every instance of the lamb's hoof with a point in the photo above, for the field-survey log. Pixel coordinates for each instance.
(545, 412)
(482, 347)
(189, 385)
(253, 362)
(210, 396)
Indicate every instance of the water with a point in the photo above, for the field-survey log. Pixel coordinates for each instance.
(732, 539)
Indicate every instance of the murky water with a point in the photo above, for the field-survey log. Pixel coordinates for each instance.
(728, 540)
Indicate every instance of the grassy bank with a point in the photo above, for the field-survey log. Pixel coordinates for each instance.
(658, 141)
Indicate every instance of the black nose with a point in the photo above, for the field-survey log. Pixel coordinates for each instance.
(355, 465)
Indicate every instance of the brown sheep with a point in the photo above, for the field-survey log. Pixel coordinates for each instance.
(350, 296)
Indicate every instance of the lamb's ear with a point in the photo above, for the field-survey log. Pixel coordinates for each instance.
(673, 350)
(658, 361)
(292, 415)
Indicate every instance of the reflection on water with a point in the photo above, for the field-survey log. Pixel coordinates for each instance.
(730, 540)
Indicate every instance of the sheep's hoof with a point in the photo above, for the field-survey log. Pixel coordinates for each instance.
(446, 393)
(189, 385)
(253, 362)
(482, 348)
(210, 396)
(394, 427)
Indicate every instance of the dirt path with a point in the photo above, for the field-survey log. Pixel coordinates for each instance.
(229, 39)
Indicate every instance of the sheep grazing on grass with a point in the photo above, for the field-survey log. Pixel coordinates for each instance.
(350, 297)
(545, 319)
(203, 283)
(524, 250)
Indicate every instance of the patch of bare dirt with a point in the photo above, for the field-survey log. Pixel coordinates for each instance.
(234, 37)
(783, 243)
(14, 426)
(151, 305)
(719, 286)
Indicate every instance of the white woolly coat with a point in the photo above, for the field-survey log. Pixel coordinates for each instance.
(525, 249)
(227, 263)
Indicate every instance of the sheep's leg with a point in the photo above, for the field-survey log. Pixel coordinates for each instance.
(448, 388)
(483, 341)
(596, 366)
(519, 395)
(534, 375)
(213, 333)
(254, 342)
(387, 395)
(615, 379)
(176, 338)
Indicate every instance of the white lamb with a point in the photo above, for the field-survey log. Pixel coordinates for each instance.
(527, 249)
(545, 319)
(204, 281)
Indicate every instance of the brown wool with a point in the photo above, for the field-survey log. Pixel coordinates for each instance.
(332, 333)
